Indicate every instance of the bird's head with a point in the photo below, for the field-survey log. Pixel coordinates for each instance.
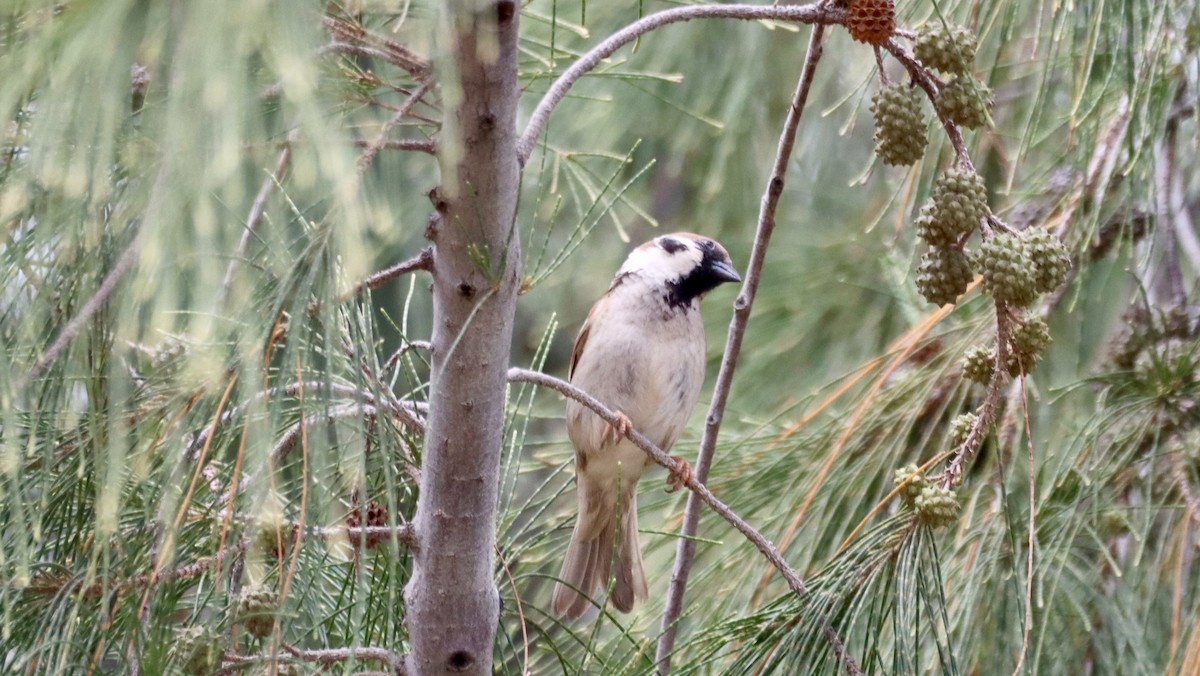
(685, 265)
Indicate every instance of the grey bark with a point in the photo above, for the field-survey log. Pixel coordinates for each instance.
(452, 601)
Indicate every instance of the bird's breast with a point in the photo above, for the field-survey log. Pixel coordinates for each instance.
(651, 371)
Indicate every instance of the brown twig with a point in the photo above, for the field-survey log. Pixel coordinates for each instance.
(369, 411)
(768, 550)
(816, 13)
(389, 50)
(405, 349)
(330, 656)
(952, 475)
(372, 149)
(422, 261)
(54, 585)
(686, 546)
(1028, 628)
(428, 146)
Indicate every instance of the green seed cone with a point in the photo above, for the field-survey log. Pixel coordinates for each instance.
(943, 275)
(1009, 274)
(979, 363)
(948, 49)
(1051, 258)
(899, 125)
(965, 101)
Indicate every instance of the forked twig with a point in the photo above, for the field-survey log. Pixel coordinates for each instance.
(686, 547)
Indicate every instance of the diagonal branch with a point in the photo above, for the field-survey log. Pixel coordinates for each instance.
(427, 146)
(387, 49)
(814, 14)
(372, 149)
(768, 550)
(422, 261)
(686, 547)
(257, 209)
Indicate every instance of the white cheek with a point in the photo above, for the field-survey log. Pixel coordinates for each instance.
(658, 264)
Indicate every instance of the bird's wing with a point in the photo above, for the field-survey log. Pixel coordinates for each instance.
(580, 342)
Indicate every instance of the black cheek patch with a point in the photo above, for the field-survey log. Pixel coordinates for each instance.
(671, 245)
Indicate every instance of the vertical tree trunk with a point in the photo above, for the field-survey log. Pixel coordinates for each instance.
(452, 600)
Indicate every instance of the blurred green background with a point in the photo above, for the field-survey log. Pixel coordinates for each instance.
(138, 133)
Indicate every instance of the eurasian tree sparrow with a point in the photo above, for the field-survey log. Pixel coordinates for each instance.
(641, 353)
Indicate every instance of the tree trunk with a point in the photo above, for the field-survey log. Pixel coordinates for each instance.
(452, 600)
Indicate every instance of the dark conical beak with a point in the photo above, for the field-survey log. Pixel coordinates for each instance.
(724, 272)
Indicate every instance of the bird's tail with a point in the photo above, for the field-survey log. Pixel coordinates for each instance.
(589, 561)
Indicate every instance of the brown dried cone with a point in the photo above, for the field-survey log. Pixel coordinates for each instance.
(377, 515)
(871, 21)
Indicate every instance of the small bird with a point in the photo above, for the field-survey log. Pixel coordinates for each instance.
(641, 353)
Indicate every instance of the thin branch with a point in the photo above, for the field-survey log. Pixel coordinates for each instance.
(428, 146)
(404, 413)
(411, 345)
(53, 585)
(422, 261)
(352, 49)
(368, 155)
(686, 547)
(389, 50)
(402, 533)
(122, 267)
(330, 656)
(290, 390)
(257, 208)
(768, 550)
(952, 475)
(814, 14)
(1032, 532)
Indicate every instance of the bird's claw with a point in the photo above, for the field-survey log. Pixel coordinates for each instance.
(681, 477)
(619, 431)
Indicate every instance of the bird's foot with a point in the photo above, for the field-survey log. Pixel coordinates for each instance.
(618, 431)
(681, 477)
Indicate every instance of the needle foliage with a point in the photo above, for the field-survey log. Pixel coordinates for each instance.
(196, 400)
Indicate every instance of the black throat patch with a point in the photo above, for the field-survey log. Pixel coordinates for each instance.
(703, 278)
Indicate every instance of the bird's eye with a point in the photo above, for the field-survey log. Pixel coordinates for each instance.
(671, 245)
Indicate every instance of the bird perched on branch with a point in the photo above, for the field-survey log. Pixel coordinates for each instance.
(641, 353)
